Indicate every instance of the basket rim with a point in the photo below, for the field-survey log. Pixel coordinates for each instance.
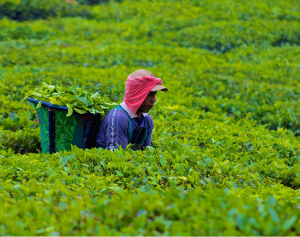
(58, 107)
(48, 105)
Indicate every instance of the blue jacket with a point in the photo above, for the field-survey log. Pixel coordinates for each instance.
(115, 128)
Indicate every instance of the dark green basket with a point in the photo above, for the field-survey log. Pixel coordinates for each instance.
(59, 132)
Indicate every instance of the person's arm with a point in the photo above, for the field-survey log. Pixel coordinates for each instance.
(150, 128)
(116, 131)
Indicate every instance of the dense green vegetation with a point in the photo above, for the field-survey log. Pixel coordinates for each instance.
(225, 154)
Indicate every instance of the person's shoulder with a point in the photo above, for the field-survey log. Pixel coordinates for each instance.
(150, 120)
(116, 113)
(148, 117)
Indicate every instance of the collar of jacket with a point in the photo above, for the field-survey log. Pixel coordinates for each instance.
(131, 114)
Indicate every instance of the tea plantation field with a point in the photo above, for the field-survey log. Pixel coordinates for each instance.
(225, 152)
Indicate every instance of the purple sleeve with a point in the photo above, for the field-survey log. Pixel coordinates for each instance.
(151, 125)
(116, 132)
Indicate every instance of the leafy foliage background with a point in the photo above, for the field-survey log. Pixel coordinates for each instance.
(225, 150)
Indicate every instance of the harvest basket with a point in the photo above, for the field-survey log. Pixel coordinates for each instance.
(58, 131)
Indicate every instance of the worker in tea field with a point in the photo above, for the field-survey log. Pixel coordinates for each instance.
(130, 122)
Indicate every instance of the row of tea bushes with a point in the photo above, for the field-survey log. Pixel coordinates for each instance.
(267, 64)
(24, 10)
(209, 150)
(95, 187)
(252, 82)
(128, 9)
(176, 213)
(218, 36)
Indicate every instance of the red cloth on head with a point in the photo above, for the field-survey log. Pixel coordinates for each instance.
(137, 90)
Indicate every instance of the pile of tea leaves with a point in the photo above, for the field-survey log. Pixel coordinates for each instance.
(76, 99)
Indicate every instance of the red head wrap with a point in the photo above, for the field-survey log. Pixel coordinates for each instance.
(137, 90)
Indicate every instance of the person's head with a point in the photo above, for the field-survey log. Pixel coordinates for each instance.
(141, 88)
(148, 103)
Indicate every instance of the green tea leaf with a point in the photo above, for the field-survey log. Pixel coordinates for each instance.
(66, 159)
(39, 104)
(70, 110)
(271, 201)
(289, 222)
(80, 111)
(163, 161)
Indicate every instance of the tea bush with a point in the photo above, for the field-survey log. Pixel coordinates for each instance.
(23, 141)
(224, 158)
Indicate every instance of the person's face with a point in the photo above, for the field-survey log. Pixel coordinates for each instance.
(148, 102)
